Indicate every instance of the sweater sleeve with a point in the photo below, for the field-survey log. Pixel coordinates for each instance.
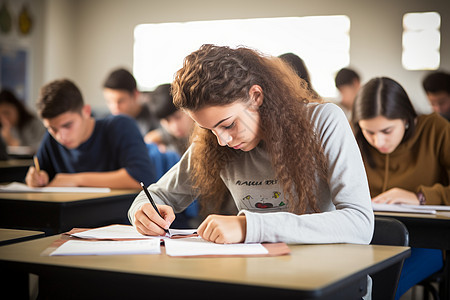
(439, 194)
(173, 189)
(348, 217)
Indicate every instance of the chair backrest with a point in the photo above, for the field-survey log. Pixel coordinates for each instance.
(389, 232)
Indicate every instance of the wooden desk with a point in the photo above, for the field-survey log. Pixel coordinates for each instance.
(14, 169)
(10, 236)
(60, 212)
(336, 271)
(428, 231)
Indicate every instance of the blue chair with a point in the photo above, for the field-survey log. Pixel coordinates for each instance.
(162, 161)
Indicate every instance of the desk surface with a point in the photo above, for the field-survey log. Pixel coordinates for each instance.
(14, 169)
(65, 197)
(308, 267)
(9, 236)
(59, 212)
(16, 163)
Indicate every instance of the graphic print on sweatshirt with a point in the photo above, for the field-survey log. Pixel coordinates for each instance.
(262, 195)
(252, 183)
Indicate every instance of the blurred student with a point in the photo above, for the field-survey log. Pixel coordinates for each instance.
(122, 97)
(176, 125)
(437, 87)
(81, 151)
(348, 83)
(407, 160)
(19, 127)
(300, 68)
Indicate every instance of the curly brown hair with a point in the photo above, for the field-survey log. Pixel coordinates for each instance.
(217, 76)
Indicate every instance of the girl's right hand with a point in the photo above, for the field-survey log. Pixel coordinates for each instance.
(35, 178)
(148, 222)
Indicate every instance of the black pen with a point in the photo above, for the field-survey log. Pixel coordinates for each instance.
(153, 203)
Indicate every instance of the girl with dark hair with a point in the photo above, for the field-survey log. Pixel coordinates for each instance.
(291, 166)
(407, 159)
(19, 127)
(407, 156)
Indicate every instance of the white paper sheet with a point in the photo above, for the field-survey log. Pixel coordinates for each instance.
(112, 232)
(125, 232)
(194, 246)
(427, 207)
(17, 187)
(400, 208)
(149, 246)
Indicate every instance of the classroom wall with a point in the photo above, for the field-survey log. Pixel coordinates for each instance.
(85, 39)
(32, 43)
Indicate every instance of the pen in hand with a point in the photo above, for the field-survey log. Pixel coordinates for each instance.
(153, 203)
(36, 164)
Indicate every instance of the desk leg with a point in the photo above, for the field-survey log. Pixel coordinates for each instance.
(444, 286)
(14, 285)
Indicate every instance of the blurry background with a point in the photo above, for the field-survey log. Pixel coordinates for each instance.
(85, 39)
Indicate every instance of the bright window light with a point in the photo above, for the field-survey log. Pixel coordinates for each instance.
(323, 42)
(421, 41)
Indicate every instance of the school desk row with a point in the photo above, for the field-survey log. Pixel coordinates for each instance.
(58, 212)
(336, 271)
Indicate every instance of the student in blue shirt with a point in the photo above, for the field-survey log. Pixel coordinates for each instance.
(81, 151)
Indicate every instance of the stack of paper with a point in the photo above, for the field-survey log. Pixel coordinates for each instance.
(427, 207)
(419, 209)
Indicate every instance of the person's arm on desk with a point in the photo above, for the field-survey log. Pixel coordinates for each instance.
(119, 179)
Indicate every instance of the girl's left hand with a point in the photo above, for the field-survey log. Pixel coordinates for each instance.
(397, 196)
(223, 229)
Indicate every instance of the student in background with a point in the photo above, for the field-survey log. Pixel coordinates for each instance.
(348, 83)
(300, 68)
(176, 125)
(437, 87)
(19, 127)
(81, 151)
(407, 160)
(122, 97)
(259, 143)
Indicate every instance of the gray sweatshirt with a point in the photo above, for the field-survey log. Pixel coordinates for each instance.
(344, 201)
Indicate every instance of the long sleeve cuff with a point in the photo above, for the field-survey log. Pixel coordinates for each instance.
(253, 227)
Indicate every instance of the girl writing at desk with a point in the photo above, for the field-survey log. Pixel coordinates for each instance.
(407, 159)
(291, 166)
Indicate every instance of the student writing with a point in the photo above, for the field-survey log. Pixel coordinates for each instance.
(81, 151)
(407, 160)
(292, 168)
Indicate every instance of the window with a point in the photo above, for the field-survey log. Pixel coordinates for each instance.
(421, 41)
(323, 42)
